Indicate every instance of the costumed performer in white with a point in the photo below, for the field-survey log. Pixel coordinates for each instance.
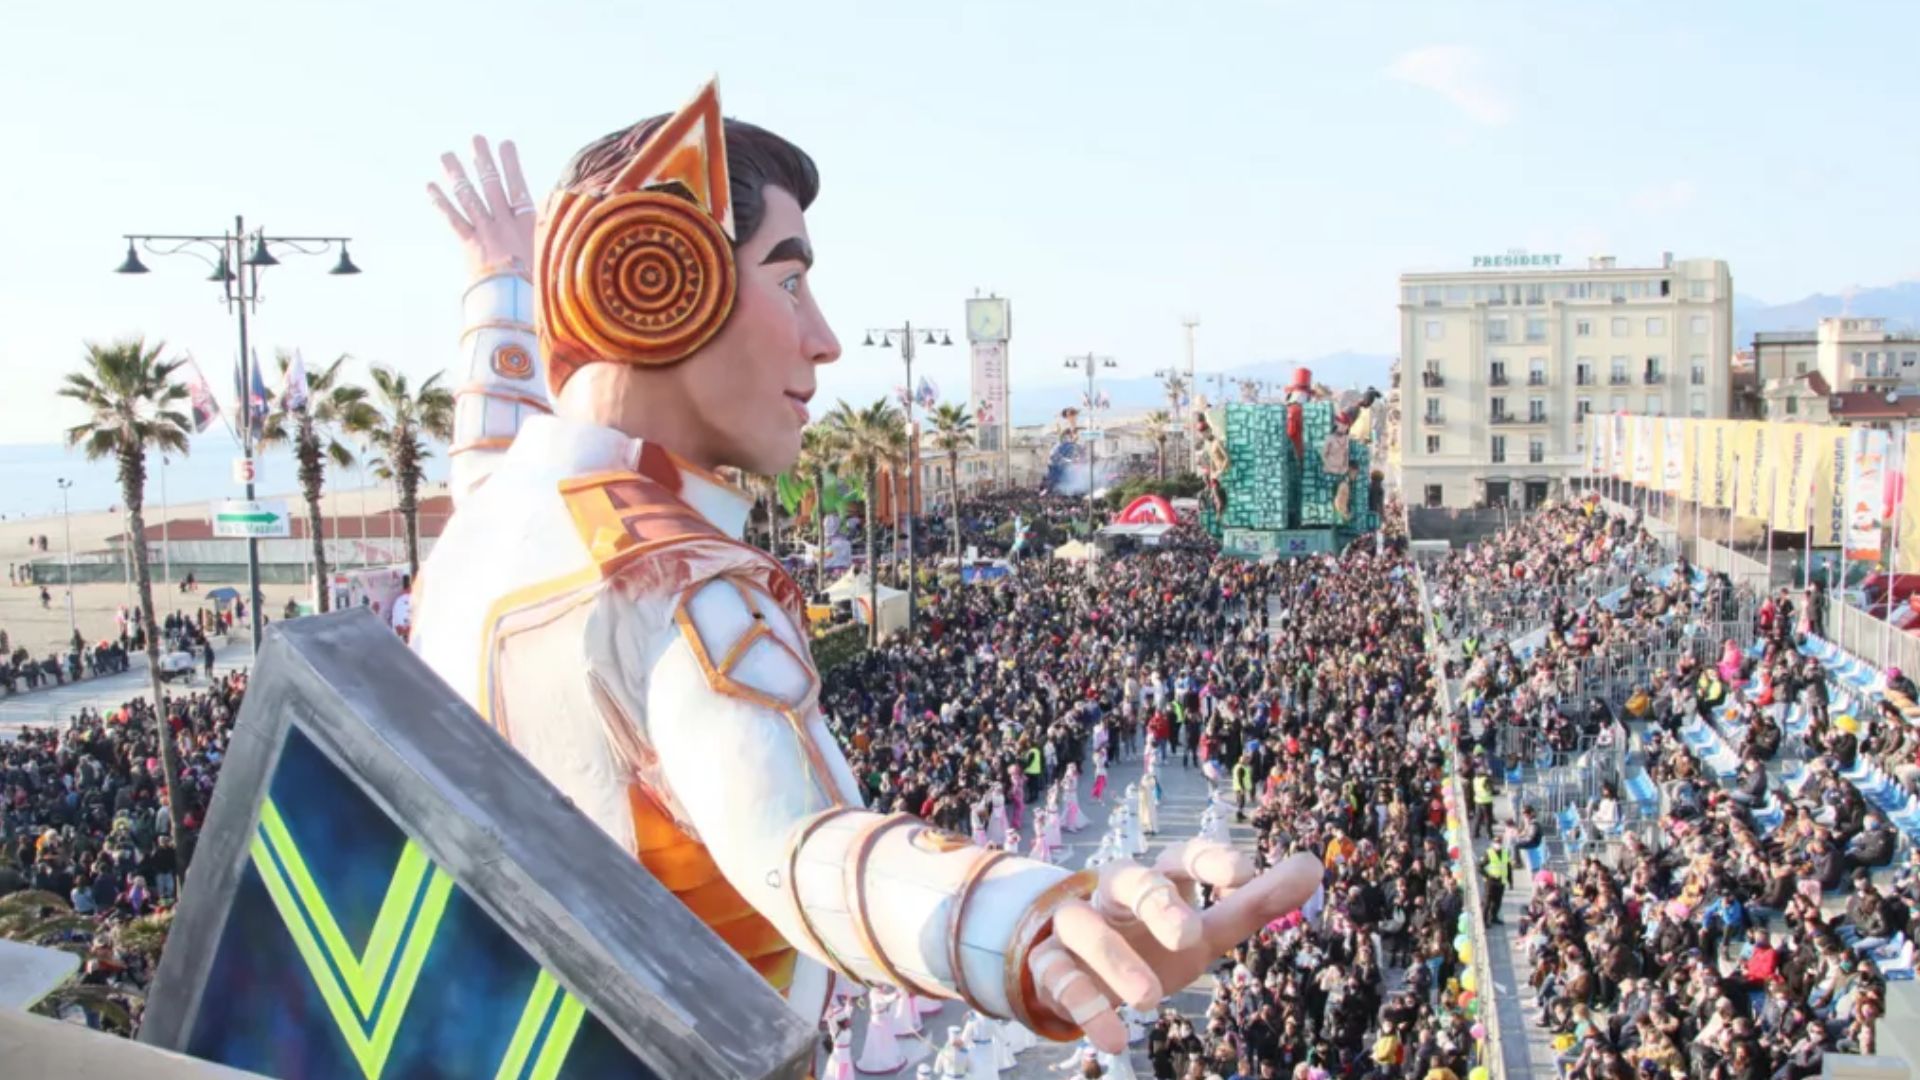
(592, 598)
(880, 1051)
(955, 1059)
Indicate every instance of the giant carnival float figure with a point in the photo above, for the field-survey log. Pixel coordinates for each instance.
(593, 599)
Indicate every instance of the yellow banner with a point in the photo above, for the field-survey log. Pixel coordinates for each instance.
(1753, 472)
(1907, 539)
(1830, 470)
(1692, 437)
(1791, 456)
(1716, 462)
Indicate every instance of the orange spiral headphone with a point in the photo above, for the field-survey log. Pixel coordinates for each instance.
(641, 271)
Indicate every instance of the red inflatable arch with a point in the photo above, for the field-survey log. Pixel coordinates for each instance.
(1147, 510)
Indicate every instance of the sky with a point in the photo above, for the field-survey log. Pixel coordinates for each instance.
(1268, 168)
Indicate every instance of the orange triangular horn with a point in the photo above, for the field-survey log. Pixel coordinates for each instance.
(690, 150)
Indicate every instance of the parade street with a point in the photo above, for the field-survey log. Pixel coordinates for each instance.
(53, 705)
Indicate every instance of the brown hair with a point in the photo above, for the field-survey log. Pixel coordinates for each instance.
(756, 158)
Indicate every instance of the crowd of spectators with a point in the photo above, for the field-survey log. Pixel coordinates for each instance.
(1737, 933)
(86, 818)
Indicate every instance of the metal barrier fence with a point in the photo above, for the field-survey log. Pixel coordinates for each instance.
(1492, 1057)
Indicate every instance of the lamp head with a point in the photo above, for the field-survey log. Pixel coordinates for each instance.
(132, 264)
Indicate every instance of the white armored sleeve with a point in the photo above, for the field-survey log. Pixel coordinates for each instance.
(735, 732)
(506, 379)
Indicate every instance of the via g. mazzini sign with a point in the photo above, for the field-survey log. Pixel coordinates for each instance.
(239, 518)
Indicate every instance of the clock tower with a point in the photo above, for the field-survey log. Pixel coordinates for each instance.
(989, 326)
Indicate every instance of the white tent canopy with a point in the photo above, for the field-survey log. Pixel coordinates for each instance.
(855, 588)
(1075, 551)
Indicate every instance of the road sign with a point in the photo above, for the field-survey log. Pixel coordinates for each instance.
(243, 470)
(239, 518)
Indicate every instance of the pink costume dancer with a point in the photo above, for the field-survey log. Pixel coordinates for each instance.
(997, 819)
(1074, 819)
(1052, 819)
(1099, 775)
(904, 1016)
(1040, 851)
(1017, 786)
(880, 1053)
(840, 1061)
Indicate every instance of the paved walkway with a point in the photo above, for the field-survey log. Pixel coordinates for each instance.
(54, 705)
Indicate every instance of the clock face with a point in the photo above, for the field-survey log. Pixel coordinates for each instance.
(987, 320)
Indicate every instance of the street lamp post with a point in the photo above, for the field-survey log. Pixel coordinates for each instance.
(236, 268)
(66, 524)
(905, 332)
(1090, 364)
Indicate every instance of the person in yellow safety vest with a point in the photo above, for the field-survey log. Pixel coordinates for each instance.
(1499, 874)
(1036, 769)
(1242, 786)
(1712, 690)
(1482, 805)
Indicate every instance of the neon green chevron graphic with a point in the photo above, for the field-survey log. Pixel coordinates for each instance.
(559, 1039)
(350, 983)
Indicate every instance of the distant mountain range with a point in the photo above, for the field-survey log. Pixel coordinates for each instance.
(1341, 370)
(1898, 304)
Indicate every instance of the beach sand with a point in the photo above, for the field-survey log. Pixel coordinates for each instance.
(42, 630)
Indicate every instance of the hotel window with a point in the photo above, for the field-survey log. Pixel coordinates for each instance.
(1536, 409)
(1656, 405)
(1409, 294)
(1908, 359)
(1581, 408)
(1436, 330)
(1536, 451)
(1536, 294)
(1697, 290)
(1536, 329)
(1697, 404)
(1583, 372)
(1697, 325)
(1497, 328)
(1433, 444)
(1497, 373)
(1617, 374)
(1537, 371)
(1793, 406)
(1433, 408)
(1499, 407)
(1583, 328)
(1622, 326)
(1434, 499)
(1499, 444)
(1617, 403)
(1656, 326)
(1430, 295)
(1858, 357)
(1458, 294)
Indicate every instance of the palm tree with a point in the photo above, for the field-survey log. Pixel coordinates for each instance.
(398, 424)
(134, 406)
(819, 454)
(868, 440)
(952, 433)
(1159, 427)
(314, 431)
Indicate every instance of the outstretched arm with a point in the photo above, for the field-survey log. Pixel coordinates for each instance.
(731, 719)
(505, 378)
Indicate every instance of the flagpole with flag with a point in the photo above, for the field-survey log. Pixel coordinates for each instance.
(294, 394)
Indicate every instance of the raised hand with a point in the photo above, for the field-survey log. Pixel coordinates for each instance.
(495, 221)
(1142, 935)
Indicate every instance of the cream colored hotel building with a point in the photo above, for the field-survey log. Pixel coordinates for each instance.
(1500, 364)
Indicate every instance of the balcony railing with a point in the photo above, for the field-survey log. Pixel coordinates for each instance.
(1503, 418)
(1536, 378)
(1498, 378)
(1537, 417)
(1618, 379)
(1584, 378)
(1498, 459)
(1654, 378)
(1698, 378)
(1432, 379)
(1433, 420)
